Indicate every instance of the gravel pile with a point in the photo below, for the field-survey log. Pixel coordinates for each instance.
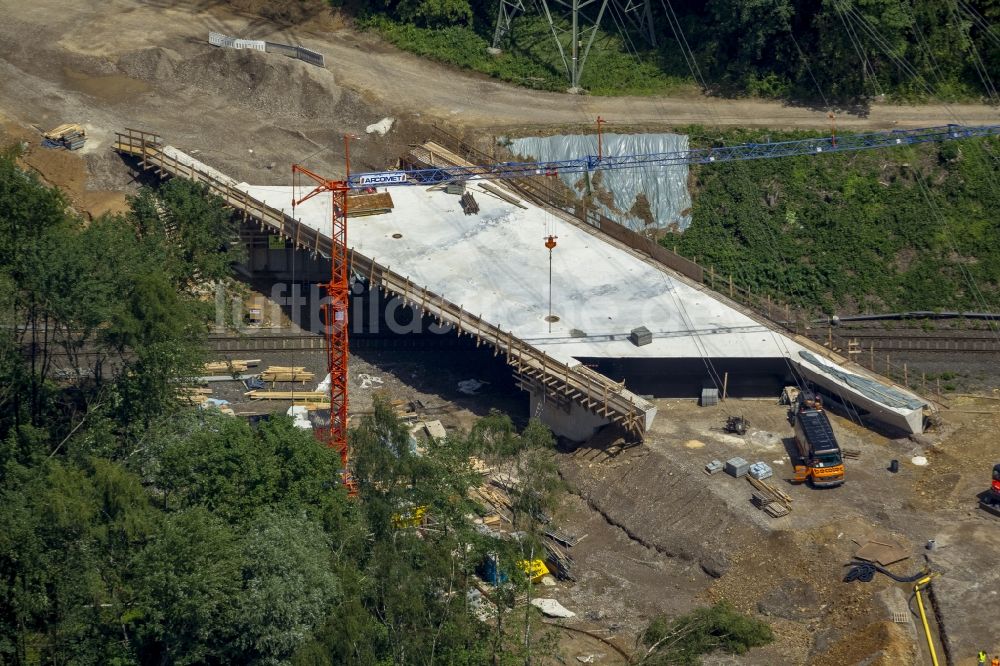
(250, 79)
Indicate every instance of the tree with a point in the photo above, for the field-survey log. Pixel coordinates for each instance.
(683, 640)
(188, 582)
(289, 585)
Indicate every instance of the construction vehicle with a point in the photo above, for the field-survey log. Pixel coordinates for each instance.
(819, 458)
(990, 500)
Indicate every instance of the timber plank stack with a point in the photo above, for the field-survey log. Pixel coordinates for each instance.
(193, 395)
(226, 367)
(302, 396)
(770, 499)
(374, 203)
(281, 373)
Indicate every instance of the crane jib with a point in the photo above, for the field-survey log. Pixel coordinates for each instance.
(749, 151)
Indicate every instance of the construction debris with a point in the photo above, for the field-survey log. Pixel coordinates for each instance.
(562, 537)
(434, 429)
(882, 552)
(552, 608)
(381, 127)
(737, 425)
(220, 405)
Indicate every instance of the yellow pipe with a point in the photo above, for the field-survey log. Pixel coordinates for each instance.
(925, 581)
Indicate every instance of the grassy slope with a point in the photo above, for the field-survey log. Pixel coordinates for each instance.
(907, 228)
(532, 59)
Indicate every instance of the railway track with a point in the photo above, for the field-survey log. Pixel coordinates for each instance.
(910, 341)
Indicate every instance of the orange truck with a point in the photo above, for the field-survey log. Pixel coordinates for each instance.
(819, 459)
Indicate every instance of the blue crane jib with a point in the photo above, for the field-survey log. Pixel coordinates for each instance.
(749, 151)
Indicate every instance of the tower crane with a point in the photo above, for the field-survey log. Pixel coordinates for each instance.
(335, 312)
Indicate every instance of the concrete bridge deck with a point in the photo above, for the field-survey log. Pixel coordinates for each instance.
(487, 275)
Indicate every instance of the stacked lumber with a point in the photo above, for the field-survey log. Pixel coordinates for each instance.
(71, 136)
(853, 454)
(234, 366)
(493, 498)
(282, 373)
(192, 395)
(369, 204)
(493, 520)
(303, 396)
(770, 499)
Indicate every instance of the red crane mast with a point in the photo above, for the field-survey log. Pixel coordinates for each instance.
(335, 310)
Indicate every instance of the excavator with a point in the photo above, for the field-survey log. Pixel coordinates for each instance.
(990, 500)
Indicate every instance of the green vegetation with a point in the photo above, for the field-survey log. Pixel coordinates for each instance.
(137, 531)
(832, 50)
(682, 641)
(901, 229)
(533, 60)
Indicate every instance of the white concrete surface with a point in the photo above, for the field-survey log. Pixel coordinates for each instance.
(495, 265)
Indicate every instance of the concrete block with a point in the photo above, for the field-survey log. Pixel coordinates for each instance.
(737, 467)
(709, 397)
(714, 467)
(760, 470)
(640, 336)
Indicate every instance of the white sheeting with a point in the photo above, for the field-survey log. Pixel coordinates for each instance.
(665, 188)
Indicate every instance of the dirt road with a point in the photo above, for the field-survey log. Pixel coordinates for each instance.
(365, 64)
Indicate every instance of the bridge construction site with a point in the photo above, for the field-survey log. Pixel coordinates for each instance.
(608, 357)
(455, 277)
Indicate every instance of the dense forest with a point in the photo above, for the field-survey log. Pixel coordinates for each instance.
(822, 51)
(138, 530)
